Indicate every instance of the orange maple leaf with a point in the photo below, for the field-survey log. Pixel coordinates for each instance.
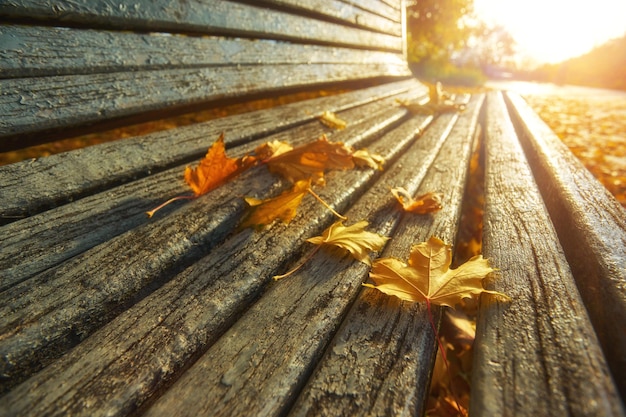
(215, 169)
(309, 161)
(427, 276)
(423, 204)
(283, 207)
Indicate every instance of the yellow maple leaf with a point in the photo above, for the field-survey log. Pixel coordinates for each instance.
(355, 239)
(283, 207)
(423, 204)
(330, 119)
(362, 158)
(215, 169)
(309, 161)
(427, 277)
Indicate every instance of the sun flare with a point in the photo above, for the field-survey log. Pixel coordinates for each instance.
(555, 30)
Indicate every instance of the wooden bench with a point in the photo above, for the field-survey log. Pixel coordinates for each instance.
(106, 312)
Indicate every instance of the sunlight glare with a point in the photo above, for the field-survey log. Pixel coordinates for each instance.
(555, 30)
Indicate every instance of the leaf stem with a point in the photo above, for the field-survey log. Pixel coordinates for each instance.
(443, 356)
(300, 265)
(325, 204)
(171, 200)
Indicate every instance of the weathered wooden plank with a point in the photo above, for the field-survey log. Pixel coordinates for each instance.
(258, 366)
(31, 186)
(387, 9)
(538, 354)
(591, 225)
(213, 17)
(343, 12)
(195, 307)
(95, 219)
(30, 106)
(386, 346)
(29, 51)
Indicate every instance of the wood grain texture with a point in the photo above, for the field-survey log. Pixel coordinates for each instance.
(383, 19)
(213, 17)
(31, 51)
(591, 225)
(379, 362)
(97, 218)
(196, 306)
(33, 105)
(538, 354)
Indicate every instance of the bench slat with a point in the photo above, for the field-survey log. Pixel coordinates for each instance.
(32, 186)
(538, 354)
(210, 17)
(385, 346)
(31, 106)
(383, 8)
(591, 225)
(41, 51)
(345, 12)
(123, 208)
(198, 304)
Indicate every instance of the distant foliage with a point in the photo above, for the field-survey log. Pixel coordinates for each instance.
(603, 67)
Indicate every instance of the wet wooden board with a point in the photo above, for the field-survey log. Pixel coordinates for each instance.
(591, 226)
(538, 354)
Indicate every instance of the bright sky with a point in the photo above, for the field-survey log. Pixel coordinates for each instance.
(555, 30)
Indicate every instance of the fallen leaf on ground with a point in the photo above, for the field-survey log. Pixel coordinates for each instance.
(283, 207)
(215, 169)
(309, 161)
(355, 239)
(423, 204)
(362, 158)
(427, 277)
(331, 120)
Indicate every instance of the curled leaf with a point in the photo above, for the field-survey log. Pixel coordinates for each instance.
(362, 158)
(331, 120)
(355, 239)
(423, 204)
(309, 161)
(283, 207)
(215, 169)
(427, 277)
(272, 149)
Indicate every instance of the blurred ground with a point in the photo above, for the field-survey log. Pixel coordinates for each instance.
(594, 129)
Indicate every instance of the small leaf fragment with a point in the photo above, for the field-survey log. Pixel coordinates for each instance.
(331, 120)
(283, 207)
(362, 158)
(427, 277)
(215, 169)
(423, 204)
(272, 149)
(355, 239)
(309, 161)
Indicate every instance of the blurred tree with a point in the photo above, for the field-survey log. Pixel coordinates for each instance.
(436, 28)
(488, 46)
